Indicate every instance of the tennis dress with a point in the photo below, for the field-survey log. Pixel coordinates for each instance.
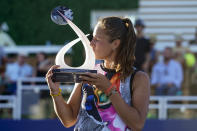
(96, 111)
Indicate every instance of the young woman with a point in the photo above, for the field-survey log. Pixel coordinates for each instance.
(117, 97)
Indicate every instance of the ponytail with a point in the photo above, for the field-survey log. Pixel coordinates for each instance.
(126, 53)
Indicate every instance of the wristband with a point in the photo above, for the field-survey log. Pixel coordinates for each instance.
(59, 93)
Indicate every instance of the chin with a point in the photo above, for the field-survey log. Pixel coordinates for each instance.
(98, 57)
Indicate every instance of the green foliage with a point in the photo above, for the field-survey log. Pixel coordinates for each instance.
(30, 23)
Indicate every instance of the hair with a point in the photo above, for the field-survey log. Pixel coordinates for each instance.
(122, 29)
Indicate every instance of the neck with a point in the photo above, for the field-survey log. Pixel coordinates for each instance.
(20, 64)
(166, 60)
(140, 34)
(109, 64)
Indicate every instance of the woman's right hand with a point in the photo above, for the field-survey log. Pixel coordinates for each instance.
(54, 87)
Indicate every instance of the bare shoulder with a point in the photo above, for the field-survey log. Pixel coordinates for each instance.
(141, 80)
(140, 75)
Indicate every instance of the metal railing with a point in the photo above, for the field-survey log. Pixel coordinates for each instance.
(10, 102)
(33, 49)
(21, 87)
(166, 102)
(162, 103)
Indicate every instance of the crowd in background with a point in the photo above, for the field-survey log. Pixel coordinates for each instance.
(169, 70)
(172, 69)
(166, 68)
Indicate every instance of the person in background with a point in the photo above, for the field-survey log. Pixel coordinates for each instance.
(153, 52)
(187, 60)
(179, 50)
(167, 75)
(2, 69)
(142, 50)
(5, 39)
(2, 56)
(194, 41)
(42, 66)
(17, 70)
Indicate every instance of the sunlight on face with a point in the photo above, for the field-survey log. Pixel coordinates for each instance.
(100, 43)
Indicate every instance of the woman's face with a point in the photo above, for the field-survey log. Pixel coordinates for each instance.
(100, 44)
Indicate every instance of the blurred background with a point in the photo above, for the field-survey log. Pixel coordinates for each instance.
(166, 49)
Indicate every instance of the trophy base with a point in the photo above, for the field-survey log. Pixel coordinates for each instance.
(69, 75)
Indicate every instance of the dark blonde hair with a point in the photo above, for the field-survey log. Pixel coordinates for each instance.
(122, 29)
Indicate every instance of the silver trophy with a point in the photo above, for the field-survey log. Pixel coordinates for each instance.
(67, 74)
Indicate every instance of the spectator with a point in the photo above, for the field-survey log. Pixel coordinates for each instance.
(2, 69)
(142, 50)
(189, 71)
(2, 56)
(42, 66)
(153, 52)
(194, 41)
(179, 50)
(167, 75)
(16, 70)
(5, 39)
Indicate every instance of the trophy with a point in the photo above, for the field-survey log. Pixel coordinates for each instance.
(67, 74)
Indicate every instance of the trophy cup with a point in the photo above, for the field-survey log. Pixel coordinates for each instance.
(67, 74)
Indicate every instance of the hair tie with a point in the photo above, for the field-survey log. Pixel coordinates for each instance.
(126, 24)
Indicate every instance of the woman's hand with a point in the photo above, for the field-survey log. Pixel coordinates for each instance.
(100, 81)
(54, 87)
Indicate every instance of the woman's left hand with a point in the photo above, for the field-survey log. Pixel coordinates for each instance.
(100, 81)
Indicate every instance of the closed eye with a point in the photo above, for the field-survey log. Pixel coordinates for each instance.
(95, 40)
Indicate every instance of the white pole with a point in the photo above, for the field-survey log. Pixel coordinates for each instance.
(19, 99)
(14, 114)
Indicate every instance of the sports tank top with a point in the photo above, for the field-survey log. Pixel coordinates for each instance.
(97, 112)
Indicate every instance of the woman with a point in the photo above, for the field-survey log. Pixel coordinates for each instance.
(104, 101)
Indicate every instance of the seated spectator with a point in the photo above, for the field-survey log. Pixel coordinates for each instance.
(17, 70)
(42, 65)
(167, 75)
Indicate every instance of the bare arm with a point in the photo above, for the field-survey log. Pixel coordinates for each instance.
(66, 111)
(134, 116)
